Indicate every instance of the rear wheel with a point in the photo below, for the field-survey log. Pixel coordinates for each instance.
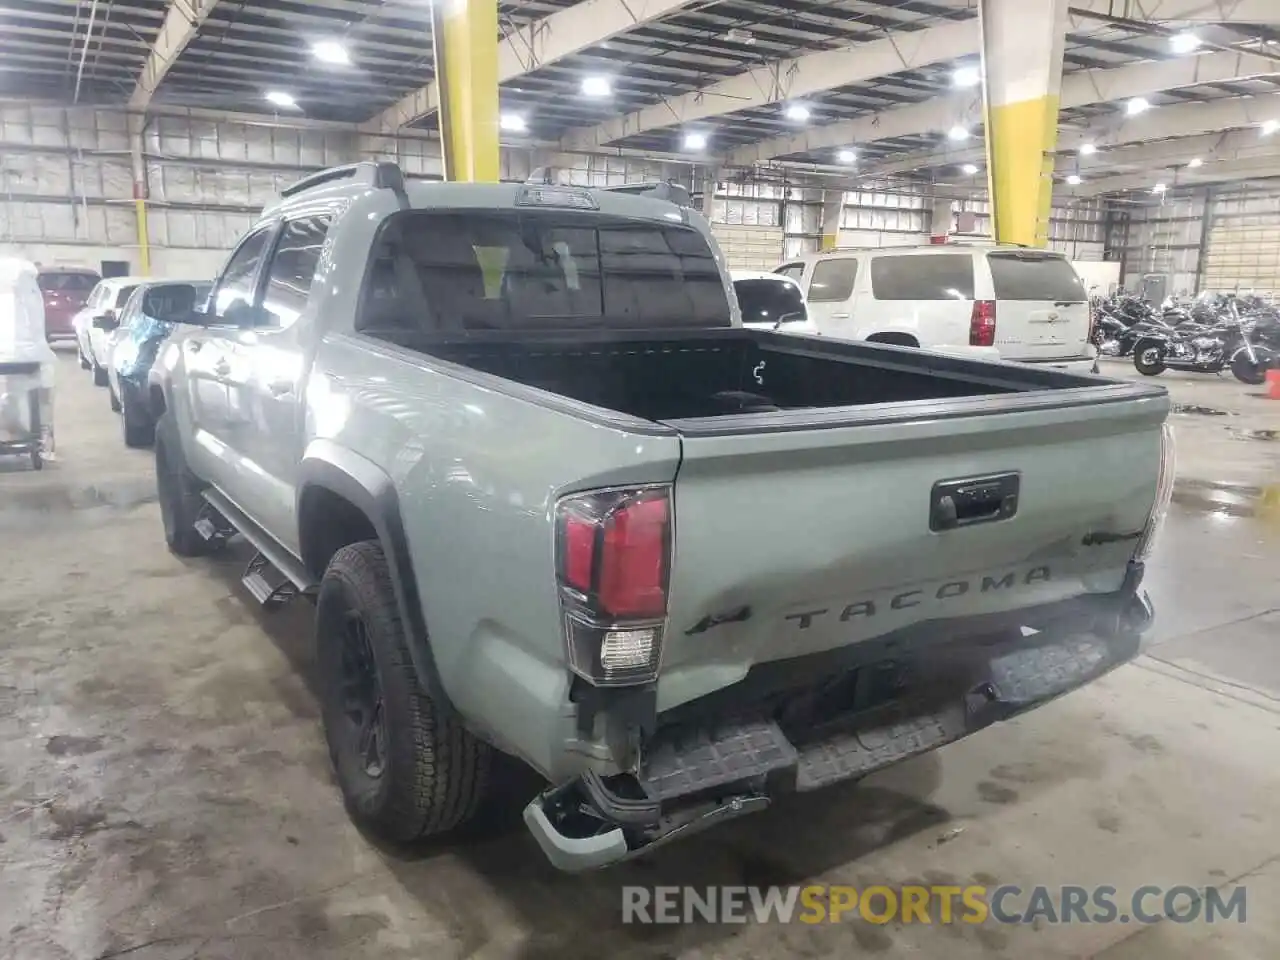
(1148, 359)
(407, 768)
(99, 375)
(1253, 372)
(179, 494)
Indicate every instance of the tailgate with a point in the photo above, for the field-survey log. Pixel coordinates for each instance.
(1042, 312)
(1028, 330)
(792, 539)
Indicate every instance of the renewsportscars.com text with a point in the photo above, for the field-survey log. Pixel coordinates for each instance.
(1007, 904)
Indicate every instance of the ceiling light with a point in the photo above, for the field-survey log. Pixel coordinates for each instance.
(1159, 188)
(281, 99)
(1137, 105)
(1194, 162)
(966, 77)
(512, 123)
(695, 141)
(1184, 42)
(1073, 179)
(596, 87)
(798, 112)
(1087, 149)
(847, 156)
(957, 133)
(1269, 127)
(331, 51)
(970, 168)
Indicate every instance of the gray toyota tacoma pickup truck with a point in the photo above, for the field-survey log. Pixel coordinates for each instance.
(552, 501)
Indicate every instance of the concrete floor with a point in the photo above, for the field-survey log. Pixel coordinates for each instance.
(165, 791)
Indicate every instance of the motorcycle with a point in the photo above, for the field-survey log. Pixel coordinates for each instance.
(1202, 349)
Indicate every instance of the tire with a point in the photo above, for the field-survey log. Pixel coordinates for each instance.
(179, 494)
(407, 769)
(1254, 374)
(111, 393)
(1148, 358)
(138, 427)
(99, 375)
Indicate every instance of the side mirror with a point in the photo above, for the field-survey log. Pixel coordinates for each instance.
(106, 321)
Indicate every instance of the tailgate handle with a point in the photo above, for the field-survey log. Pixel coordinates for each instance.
(963, 503)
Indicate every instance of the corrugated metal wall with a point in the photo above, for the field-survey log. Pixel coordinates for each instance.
(1241, 251)
(68, 184)
(67, 190)
(885, 217)
(1160, 239)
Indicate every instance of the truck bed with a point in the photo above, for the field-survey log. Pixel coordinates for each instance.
(715, 373)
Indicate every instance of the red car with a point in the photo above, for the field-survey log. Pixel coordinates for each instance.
(65, 290)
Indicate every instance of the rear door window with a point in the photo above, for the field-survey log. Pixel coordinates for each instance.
(769, 301)
(833, 279)
(926, 276)
(293, 267)
(540, 270)
(1028, 275)
(122, 297)
(793, 270)
(66, 282)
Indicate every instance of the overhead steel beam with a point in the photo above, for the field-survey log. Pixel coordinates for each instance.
(1079, 89)
(1206, 147)
(1243, 169)
(539, 44)
(1181, 120)
(793, 78)
(1200, 11)
(182, 20)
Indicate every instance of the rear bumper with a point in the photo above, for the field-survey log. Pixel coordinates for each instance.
(736, 750)
(1083, 364)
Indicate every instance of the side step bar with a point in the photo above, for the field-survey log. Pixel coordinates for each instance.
(274, 576)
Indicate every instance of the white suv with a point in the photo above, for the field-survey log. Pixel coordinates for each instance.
(990, 300)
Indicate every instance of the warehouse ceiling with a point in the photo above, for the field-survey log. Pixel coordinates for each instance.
(706, 78)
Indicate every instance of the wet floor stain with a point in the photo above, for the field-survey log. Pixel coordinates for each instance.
(121, 495)
(1224, 500)
(1265, 435)
(1199, 410)
(995, 793)
(73, 746)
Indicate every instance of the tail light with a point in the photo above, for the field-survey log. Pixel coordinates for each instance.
(982, 324)
(1164, 494)
(613, 563)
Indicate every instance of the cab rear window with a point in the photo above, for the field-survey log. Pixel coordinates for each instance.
(1029, 275)
(522, 269)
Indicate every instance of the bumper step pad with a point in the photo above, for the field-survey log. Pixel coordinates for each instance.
(881, 738)
(730, 753)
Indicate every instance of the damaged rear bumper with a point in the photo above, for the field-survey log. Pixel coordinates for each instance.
(729, 756)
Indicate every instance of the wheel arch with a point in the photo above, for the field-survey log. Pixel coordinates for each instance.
(330, 475)
(894, 338)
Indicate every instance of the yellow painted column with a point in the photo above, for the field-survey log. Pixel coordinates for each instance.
(832, 212)
(137, 125)
(1022, 45)
(465, 40)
